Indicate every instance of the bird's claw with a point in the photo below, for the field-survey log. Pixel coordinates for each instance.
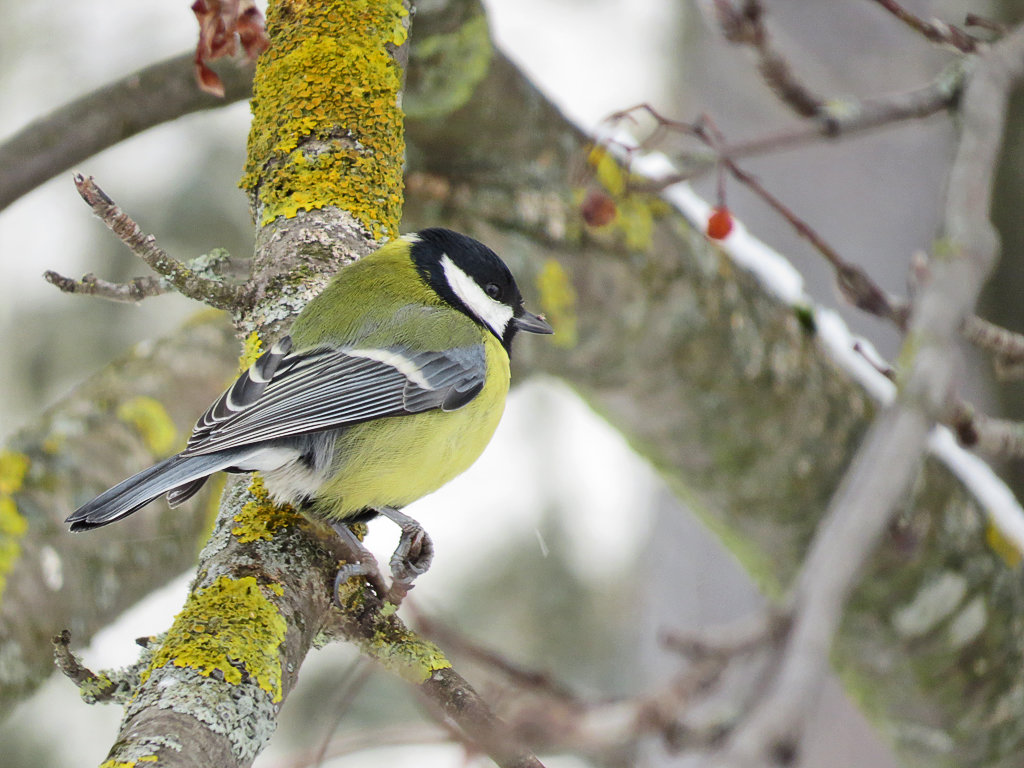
(360, 563)
(413, 555)
(411, 559)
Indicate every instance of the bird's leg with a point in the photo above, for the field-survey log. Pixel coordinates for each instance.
(360, 562)
(412, 556)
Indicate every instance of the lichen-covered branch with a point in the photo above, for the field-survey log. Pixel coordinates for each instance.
(262, 592)
(134, 412)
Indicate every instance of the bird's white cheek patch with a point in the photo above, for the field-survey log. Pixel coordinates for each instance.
(492, 313)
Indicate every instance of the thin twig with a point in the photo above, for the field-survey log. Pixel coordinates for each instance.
(738, 637)
(995, 437)
(1002, 342)
(837, 119)
(99, 689)
(458, 701)
(936, 31)
(353, 681)
(981, 22)
(745, 26)
(457, 642)
(853, 281)
(188, 282)
(132, 292)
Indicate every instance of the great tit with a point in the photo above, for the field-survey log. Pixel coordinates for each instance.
(390, 384)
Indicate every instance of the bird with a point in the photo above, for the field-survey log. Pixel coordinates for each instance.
(390, 383)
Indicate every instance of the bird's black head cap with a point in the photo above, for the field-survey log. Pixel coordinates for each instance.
(471, 277)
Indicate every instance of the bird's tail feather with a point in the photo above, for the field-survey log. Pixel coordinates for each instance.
(138, 490)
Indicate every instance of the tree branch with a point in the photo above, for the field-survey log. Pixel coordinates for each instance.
(745, 26)
(132, 292)
(154, 95)
(935, 31)
(131, 414)
(215, 293)
(735, 385)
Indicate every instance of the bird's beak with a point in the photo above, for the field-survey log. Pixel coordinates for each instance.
(531, 323)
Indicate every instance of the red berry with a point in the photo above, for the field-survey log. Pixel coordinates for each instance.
(719, 223)
(598, 209)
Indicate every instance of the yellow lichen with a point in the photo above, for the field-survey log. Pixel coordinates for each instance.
(260, 518)
(1002, 546)
(53, 443)
(151, 420)
(404, 653)
(636, 220)
(251, 350)
(13, 468)
(92, 688)
(327, 129)
(558, 300)
(13, 527)
(451, 65)
(230, 627)
(609, 173)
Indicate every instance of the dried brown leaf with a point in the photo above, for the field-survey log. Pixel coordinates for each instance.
(222, 25)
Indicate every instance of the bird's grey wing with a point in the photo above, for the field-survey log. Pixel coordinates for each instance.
(327, 388)
(244, 392)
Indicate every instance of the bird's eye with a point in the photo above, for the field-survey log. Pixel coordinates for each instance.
(493, 290)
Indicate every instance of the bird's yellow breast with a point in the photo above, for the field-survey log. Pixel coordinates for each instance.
(415, 454)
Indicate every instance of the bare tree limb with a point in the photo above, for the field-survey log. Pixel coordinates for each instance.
(1002, 342)
(132, 292)
(89, 683)
(101, 119)
(215, 293)
(745, 25)
(838, 118)
(936, 31)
